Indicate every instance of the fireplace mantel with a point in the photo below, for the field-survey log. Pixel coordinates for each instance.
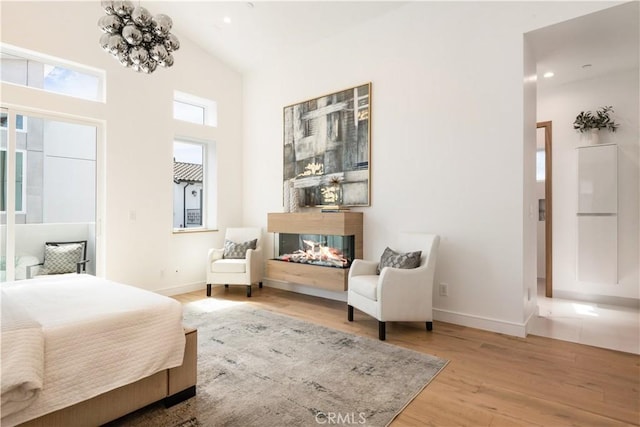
(326, 223)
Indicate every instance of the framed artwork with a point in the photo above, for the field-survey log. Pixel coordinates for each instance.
(327, 150)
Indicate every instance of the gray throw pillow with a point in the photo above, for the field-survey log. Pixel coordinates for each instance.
(391, 258)
(234, 250)
(62, 258)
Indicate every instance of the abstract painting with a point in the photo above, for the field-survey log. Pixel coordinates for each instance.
(327, 149)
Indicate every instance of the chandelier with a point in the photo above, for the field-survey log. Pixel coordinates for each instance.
(136, 38)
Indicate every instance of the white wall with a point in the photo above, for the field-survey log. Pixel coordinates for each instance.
(447, 141)
(561, 104)
(137, 148)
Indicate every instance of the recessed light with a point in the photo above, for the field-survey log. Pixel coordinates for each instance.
(226, 20)
(548, 74)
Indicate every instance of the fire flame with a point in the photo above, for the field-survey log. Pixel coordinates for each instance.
(317, 253)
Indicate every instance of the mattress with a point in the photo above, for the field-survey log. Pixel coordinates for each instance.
(98, 335)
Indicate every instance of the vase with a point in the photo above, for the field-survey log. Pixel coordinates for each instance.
(594, 136)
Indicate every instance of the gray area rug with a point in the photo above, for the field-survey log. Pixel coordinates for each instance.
(258, 368)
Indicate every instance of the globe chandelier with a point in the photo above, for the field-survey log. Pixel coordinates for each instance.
(136, 38)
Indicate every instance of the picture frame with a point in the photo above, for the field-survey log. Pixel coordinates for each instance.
(327, 150)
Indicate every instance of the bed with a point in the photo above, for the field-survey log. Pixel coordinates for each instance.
(89, 350)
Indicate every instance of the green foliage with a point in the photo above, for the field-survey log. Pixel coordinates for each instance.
(587, 120)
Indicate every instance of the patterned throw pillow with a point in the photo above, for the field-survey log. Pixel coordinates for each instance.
(391, 258)
(62, 258)
(238, 250)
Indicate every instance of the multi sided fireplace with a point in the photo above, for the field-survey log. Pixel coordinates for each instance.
(315, 248)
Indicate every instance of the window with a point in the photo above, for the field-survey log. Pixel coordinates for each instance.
(194, 163)
(20, 174)
(540, 165)
(193, 109)
(188, 184)
(188, 112)
(21, 122)
(25, 68)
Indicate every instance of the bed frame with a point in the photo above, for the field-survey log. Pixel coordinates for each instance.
(171, 386)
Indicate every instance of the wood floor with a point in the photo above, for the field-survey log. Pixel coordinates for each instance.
(491, 379)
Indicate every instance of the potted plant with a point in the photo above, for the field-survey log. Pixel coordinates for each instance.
(586, 121)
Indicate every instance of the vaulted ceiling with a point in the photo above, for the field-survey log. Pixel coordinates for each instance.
(260, 30)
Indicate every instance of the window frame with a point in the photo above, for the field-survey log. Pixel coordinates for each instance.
(204, 199)
(209, 107)
(44, 59)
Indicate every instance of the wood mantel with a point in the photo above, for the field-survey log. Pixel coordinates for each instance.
(325, 223)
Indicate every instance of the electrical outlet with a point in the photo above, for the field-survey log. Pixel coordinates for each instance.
(444, 289)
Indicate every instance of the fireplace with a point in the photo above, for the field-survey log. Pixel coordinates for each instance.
(315, 249)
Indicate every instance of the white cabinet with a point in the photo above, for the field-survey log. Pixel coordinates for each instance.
(598, 179)
(597, 259)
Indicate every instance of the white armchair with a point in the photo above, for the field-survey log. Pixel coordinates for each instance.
(396, 294)
(237, 263)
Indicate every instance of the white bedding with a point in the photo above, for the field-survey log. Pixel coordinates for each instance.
(22, 362)
(98, 334)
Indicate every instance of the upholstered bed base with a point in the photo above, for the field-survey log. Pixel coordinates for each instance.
(171, 386)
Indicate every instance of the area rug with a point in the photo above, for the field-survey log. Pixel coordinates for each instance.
(259, 368)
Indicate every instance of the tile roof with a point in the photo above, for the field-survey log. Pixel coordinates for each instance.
(187, 172)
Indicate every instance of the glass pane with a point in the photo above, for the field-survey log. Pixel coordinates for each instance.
(53, 78)
(55, 190)
(188, 186)
(71, 82)
(188, 112)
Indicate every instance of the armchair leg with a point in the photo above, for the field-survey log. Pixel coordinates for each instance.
(429, 326)
(249, 291)
(226, 286)
(350, 313)
(260, 285)
(208, 289)
(382, 331)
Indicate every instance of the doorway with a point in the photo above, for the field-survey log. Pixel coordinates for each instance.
(545, 207)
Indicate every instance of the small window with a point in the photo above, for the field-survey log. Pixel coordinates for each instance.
(189, 184)
(21, 122)
(188, 112)
(540, 165)
(39, 71)
(193, 109)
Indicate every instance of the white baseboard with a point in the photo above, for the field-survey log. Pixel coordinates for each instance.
(484, 323)
(462, 319)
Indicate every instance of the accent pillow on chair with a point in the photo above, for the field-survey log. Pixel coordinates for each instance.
(59, 259)
(234, 250)
(391, 258)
